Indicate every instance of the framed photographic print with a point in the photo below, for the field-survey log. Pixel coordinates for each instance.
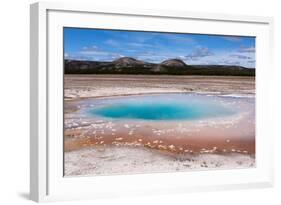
(129, 102)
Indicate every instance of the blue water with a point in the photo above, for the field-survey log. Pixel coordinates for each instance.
(162, 107)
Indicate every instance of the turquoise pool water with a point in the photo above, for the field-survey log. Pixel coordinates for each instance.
(161, 107)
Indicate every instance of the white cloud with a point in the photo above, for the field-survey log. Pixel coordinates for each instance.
(232, 38)
(199, 52)
(112, 42)
(247, 50)
(139, 45)
(240, 56)
(225, 58)
(94, 53)
(91, 48)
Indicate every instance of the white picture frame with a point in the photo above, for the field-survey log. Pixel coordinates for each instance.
(46, 178)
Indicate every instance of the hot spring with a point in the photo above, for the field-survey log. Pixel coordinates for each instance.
(161, 107)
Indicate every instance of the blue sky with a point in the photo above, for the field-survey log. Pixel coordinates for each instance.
(108, 45)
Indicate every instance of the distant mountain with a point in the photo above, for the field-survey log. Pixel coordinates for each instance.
(127, 65)
(127, 62)
(173, 63)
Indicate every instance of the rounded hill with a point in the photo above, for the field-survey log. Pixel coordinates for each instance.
(173, 63)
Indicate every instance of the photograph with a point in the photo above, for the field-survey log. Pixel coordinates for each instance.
(142, 102)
